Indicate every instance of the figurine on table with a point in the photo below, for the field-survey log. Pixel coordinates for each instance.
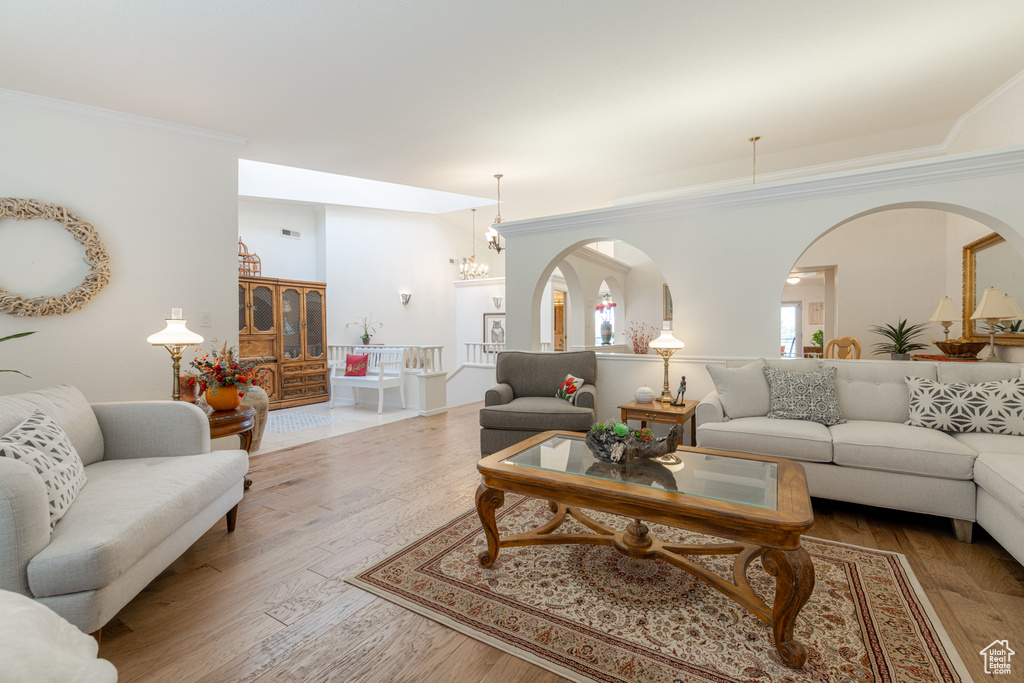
(680, 392)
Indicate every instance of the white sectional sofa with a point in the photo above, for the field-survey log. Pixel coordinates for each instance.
(874, 458)
(153, 488)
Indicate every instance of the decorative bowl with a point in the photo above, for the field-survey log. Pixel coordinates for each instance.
(644, 395)
(958, 348)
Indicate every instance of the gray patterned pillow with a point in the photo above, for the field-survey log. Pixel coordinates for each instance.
(804, 395)
(993, 407)
(42, 444)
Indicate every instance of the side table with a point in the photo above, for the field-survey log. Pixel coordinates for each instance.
(239, 421)
(662, 413)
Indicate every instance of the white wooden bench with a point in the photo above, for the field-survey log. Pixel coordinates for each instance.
(385, 367)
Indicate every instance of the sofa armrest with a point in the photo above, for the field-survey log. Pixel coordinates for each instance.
(152, 429)
(24, 522)
(586, 397)
(709, 410)
(498, 395)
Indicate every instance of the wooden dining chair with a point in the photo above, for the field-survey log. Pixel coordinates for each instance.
(842, 347)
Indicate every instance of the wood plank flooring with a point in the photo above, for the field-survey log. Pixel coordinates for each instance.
(269, 602)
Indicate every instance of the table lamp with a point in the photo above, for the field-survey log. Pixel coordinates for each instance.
(993, 308)
(945, 314)
(175, 338)
(665, 346)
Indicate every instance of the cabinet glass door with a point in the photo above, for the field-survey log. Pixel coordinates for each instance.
(262, 308)
(291, 321)
(314, 324)
(242, 324)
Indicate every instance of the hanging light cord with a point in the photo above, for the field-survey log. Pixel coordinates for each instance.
(498, 218)
(474, 234)
(753, 177)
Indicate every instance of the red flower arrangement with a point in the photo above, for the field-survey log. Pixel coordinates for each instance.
(640, 336)
(605, 309)
(224, 370)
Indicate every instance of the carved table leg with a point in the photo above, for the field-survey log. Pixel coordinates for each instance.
(794, 582)
(636, 536)
(246, 442)
(487, 501)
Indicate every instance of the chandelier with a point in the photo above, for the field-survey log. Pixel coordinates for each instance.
(469, 269)
(493, 238)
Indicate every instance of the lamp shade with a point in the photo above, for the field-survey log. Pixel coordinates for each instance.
(993, 306)
(175, 334)
(1012, 303)
(666, 341)
(945, 311)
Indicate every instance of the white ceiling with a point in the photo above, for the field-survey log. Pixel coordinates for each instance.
(577, 102)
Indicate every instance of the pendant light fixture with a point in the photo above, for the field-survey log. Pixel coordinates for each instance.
(493, 238)
(753, 174)
(469, 269)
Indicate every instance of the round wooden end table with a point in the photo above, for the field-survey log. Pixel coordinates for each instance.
(239, 421)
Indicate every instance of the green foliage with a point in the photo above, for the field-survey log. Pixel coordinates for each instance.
(15, 336)
(818, 338)
(621, 429)
(901, 337)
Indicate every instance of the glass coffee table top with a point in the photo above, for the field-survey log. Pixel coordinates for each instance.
(733, 480)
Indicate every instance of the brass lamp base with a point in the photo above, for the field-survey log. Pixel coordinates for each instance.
(666, 395)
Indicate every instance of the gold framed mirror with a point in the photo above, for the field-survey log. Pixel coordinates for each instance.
(994, 263)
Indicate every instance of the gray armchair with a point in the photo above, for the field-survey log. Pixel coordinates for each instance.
(523, 403)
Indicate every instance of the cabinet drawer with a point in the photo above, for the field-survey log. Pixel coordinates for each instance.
(258, 347)
(293, 391)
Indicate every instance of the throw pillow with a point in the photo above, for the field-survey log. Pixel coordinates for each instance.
(355, 364)
(743, 391)
(993, 407)
(42, 444)
(804, 395)
(570, 386)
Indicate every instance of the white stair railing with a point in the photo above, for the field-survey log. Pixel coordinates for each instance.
(483, 353)
(417, 357)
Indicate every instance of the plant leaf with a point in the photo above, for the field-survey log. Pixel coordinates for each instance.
(15, 336)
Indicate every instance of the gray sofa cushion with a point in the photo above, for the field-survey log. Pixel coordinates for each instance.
(807, 395)
(890, 447)
(973, 373)
(875, 390)
(540, 374)
(1002, 475)
(743, 391)
(793, 439)
(68, 408)
(127, 509)
(981, 442)
(537, 414)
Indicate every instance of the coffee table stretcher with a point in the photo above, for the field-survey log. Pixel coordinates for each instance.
(791, 566)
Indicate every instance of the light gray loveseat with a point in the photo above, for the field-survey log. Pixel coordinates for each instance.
(153, 488)
(524, 403)
(875, 458)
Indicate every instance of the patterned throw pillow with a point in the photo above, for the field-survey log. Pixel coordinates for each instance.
(994, 407)
(804, 395)
(43, 445)
(570, 386)
(355, 364)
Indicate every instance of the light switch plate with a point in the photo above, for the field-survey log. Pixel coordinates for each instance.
(207, 319)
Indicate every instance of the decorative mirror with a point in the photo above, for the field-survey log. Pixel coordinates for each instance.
(991, 262)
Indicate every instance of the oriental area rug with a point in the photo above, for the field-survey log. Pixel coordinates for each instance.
(589, 613)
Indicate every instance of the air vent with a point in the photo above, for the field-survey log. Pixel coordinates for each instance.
(294, 234)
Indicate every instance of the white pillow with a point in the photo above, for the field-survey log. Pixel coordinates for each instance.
(40, 443)
(569, 389)
(993, 407)
(743, 391)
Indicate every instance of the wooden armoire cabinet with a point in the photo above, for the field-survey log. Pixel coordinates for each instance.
(284, 322)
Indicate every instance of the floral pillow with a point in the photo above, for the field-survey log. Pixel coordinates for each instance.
(570, 386)
(355, 364)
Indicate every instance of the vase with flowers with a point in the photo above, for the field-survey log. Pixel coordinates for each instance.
(640, 336)
(224, 377)
(368, 324)
(606, 309)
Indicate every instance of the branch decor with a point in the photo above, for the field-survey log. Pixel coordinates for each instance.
(83, 233)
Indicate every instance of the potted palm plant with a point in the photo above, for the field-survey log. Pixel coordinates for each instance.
(901, 339)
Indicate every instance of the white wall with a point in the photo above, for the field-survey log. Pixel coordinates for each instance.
(371, 256)
(163, 198)
(286, 258)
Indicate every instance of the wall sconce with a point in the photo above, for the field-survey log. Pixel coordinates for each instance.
(405, 298)
(497, 301)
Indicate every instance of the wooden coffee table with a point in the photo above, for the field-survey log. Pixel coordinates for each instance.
(759, 503)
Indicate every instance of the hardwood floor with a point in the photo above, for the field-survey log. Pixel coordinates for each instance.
(269, 602)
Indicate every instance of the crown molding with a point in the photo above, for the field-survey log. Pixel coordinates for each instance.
(909, 174)
(594, 256)
(48, 105)
(976, 110)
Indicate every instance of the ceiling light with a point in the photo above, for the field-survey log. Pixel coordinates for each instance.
(493, 238)
(793, 280)
(469, 269)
